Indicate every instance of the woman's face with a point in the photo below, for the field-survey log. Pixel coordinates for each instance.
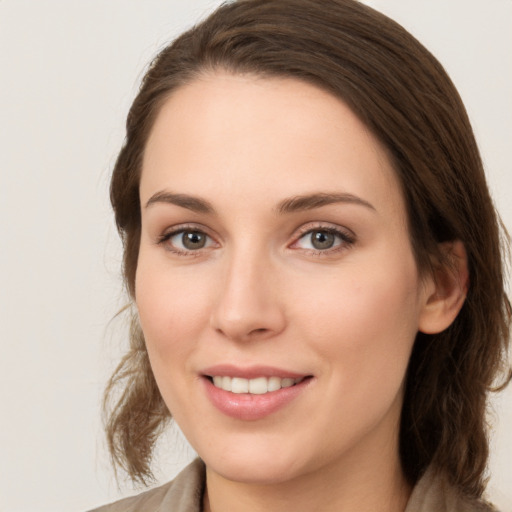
(275, 262)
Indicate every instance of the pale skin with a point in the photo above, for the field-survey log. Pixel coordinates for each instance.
(225, 164)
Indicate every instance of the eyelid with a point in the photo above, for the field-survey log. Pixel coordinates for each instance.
(180, 228)
(347, 236)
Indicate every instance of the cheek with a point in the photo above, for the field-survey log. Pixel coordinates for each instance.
(364, 328)
(365, 319)
(172, 310)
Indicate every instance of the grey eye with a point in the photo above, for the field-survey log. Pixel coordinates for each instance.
(193, 240)
(189, 240)
(322, 239)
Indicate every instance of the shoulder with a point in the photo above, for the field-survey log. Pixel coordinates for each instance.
(183, 494)
(433, 493)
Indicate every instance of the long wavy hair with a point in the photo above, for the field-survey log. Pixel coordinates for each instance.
(404, 96)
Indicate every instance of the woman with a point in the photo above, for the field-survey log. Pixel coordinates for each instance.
(315, 263)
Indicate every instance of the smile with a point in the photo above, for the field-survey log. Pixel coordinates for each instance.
(260, 392)
(257, 386)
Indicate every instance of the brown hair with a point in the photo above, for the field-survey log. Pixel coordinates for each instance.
(402, 93)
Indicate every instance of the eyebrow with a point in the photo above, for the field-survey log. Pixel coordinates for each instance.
(289, 205)
(311, 201)
(192, 203)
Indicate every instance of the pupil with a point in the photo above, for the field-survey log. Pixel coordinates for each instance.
(193, 240)
(322, 240)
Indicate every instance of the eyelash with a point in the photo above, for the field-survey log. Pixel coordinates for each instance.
(346, 239)
(164, 238)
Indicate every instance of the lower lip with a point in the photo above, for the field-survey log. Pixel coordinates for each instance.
(248, 407)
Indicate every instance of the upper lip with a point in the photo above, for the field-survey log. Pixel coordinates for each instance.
(250, 372)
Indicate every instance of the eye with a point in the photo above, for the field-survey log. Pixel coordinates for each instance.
(324, 239)
(186, 241)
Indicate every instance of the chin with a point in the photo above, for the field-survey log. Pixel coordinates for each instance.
(257, 472)
(257, 461)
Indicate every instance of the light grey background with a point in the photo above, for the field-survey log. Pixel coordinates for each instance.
(69, 71)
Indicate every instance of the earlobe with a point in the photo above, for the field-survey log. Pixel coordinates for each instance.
(445, 290)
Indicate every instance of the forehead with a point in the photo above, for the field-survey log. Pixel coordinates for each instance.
(245, 137)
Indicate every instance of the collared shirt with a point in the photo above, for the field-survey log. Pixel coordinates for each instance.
(185, 492)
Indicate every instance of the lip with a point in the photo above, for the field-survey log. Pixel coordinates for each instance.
(250, 372)
(246, 406)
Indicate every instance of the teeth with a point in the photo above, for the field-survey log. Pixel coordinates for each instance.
(274, 383)
(226, 383)
(239, 385)
(286, 383)
(258, 386)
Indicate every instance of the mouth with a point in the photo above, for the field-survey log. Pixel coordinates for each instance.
(255, 386)
(253, 392)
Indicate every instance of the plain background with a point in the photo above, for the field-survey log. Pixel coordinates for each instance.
(69, 71)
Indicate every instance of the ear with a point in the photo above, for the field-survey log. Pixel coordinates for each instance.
(445, 289)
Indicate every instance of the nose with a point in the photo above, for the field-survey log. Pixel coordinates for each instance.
(249, 301)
